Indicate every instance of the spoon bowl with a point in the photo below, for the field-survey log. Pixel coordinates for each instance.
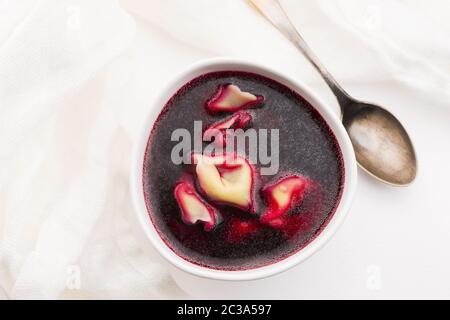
(382, 146)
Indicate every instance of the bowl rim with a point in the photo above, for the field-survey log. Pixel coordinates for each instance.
(333, 120)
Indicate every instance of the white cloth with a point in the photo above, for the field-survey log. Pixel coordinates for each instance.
(75, 81)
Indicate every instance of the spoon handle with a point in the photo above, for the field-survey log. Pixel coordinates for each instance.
(272, 10)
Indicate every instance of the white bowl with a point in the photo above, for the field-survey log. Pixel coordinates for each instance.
(219, 64)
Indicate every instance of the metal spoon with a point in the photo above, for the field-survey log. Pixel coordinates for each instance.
(382, 146)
